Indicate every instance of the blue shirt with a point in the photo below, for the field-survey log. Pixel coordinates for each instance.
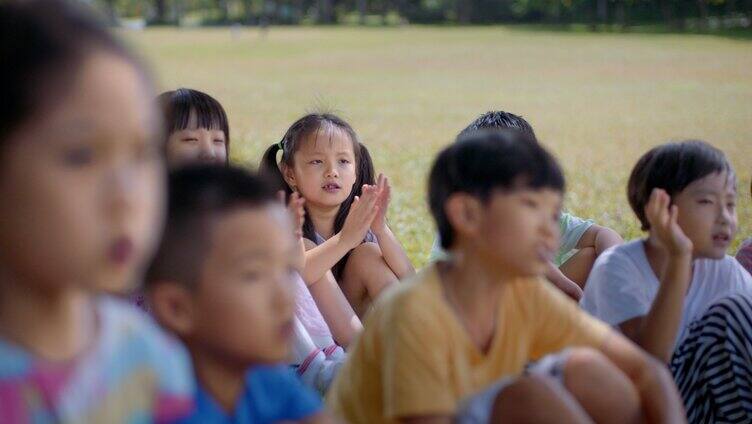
(271, 394)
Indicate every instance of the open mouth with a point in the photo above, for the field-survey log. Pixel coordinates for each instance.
(121, 250)
(721, 239)
(331, 187)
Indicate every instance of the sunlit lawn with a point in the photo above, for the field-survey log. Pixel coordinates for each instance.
(597, 100)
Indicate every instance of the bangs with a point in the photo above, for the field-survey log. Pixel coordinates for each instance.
(178, 106)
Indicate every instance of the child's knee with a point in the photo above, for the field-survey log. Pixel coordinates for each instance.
(601, 388)
(536, 399)
(368, 263)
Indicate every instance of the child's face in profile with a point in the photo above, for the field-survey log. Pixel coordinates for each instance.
(243, 307)
(519, 231)
(194, 144)
(82, 182)
(324, 168)
(707, 214)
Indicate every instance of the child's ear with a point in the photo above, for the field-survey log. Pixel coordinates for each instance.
(464, 213)
(172, 305)
(288, 175)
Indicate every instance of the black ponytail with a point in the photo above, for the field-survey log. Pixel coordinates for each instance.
(270, 169)
(290, 144)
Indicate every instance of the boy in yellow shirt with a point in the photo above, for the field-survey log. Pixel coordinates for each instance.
(452, 343)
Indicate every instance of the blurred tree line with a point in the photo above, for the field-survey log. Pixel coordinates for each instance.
(621, 14)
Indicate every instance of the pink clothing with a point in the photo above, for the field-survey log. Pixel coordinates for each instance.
(315, 352)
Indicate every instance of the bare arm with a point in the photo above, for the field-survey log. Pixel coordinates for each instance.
(600, 238)
(655, 387)
(394, 254)
(557, 278)
(334, 307)
(391, 249)
(320, 259)
(656, 331)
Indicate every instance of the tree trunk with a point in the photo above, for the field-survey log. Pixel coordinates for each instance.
(248, 11)
(224, 14)
(326, 12)
(362, 10)
(622, 15)
(602, 11)
(464, 11)
(160, 9)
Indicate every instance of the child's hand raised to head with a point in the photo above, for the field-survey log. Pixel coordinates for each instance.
(662, 217)
(384, 191)
(295, 206)
(362, 213)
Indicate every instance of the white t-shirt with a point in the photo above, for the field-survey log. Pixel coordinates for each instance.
(622, 285)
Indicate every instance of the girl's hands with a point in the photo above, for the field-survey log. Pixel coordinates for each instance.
(378, 225)
(296, 209)
(362, 213)
(662, 218)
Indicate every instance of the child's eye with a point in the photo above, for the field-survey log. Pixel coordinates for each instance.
(79, 156)
(705, 202)
(219, 141)
(530, 202)
(315, 162)
(190, 139)
(731, 205)
(344, 161)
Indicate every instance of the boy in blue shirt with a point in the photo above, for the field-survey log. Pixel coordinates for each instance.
(221, 281)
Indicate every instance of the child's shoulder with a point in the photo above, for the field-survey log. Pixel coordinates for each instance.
(128, 335)
(631, 253)
(727, 266)
(276, 393)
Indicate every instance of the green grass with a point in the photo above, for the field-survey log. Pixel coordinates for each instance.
(598, 101)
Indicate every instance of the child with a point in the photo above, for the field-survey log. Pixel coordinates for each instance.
(221, 282)
(477, 318)
(581, 240)
(196, 123)
(196, 127)
(345, 227)
(684, 195)
(81, 192)
(744, 255)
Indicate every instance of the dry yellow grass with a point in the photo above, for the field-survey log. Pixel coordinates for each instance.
(597, 100)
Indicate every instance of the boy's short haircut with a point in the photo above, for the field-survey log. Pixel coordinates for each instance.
(672, 167)
(197, 194)
(482, 162)
(500, 120)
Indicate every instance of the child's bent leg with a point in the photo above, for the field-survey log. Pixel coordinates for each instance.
(536, 399)
(365, 276)
(578, 267)
(601, 388)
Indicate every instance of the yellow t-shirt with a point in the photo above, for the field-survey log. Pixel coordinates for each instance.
(414, 357)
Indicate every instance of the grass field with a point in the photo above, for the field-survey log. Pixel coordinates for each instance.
(597, 100)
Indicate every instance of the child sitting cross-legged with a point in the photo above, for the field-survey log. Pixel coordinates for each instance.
(452, 343)
(221, 281)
